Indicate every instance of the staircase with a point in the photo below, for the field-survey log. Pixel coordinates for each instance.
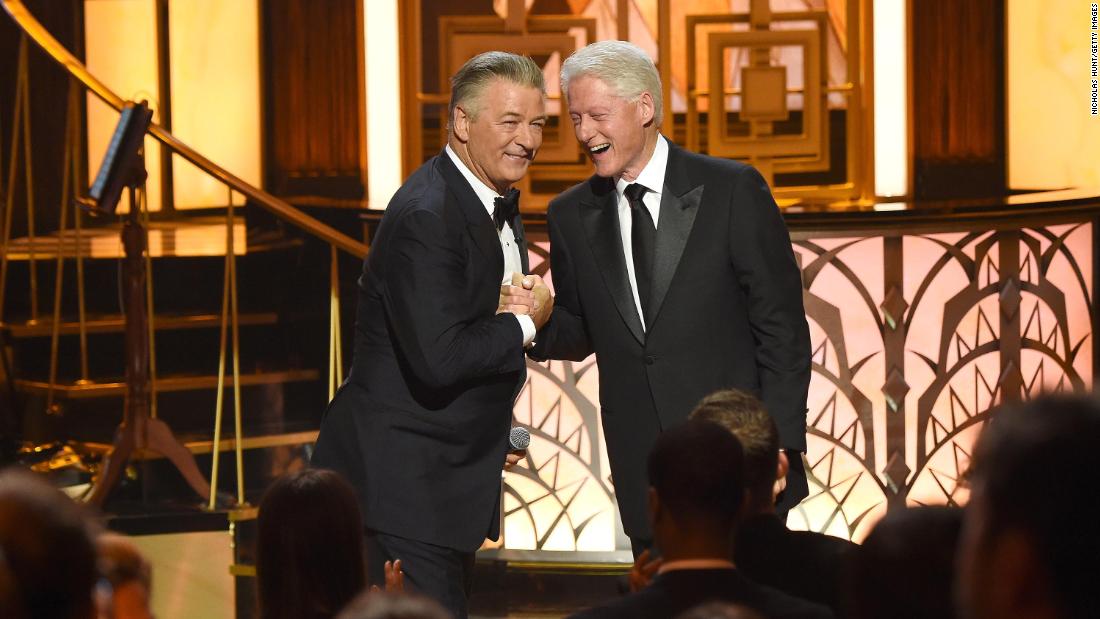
(62, 336)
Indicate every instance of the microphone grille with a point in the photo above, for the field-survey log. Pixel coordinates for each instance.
(519, 437)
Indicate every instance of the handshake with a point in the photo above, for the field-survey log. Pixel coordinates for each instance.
(527, 294)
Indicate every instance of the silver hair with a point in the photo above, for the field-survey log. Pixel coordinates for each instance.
(625, 67)
(470, 81)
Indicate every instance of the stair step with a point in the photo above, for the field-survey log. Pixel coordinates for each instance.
(228, 444)
(92, 389)
(117, 323)
(195, 237)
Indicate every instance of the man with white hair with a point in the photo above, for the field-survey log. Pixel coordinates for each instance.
(676, 269)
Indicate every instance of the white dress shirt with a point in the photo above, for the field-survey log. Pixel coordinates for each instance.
(652, 177)
(508, 246)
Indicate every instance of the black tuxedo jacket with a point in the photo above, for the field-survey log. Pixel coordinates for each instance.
(420, 428)
(678, 591)
(805, 564)
(726, 309)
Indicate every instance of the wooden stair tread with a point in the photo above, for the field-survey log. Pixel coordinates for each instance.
(164, 384)
(116, 323)
(195, 237)
(226, 444)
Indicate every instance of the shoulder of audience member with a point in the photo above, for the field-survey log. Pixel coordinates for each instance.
(632, 606)
(782, 605)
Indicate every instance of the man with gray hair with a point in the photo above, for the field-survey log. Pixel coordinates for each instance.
(420, 428)
(676, 269)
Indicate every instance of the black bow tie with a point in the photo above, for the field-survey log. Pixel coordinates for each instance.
(506, 208)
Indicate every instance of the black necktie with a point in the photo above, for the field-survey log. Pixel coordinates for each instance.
(506, 208)
(643, 240)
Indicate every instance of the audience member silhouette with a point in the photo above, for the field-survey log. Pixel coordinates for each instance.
(1030, 541)
(804, 564)
(393, 605)
(905, 567)
(46, 546)
(309, 547)
(720, 610)
(696, 489)
(128, 577)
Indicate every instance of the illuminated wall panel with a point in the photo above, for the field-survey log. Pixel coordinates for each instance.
(891, 69)
(215, 94)
(122, 52)
(914, 337)
(1052, 138)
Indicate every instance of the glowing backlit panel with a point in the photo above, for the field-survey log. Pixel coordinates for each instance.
(381, 27)
(891, 98)
(1052, 136)
(215, 95)
(121, 51)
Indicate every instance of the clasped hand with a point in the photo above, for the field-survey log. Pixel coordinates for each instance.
(527, 294)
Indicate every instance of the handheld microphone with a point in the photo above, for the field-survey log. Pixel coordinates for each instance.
(519, 438)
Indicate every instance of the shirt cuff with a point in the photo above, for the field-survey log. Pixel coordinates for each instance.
(528, 327)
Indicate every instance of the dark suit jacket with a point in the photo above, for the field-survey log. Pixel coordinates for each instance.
(420, 428)
(804, 564)
(675, 592)
(726, 309)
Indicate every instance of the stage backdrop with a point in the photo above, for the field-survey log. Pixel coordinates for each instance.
(914, 336)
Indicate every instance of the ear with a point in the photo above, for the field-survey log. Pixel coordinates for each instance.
(460, 124)
(781, 467)
(654, 505)
(646, 108)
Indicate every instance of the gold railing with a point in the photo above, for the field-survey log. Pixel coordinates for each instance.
(81, 78)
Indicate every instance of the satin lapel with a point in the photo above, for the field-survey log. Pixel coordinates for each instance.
(478, 223)
(600, 219)
(679, 205)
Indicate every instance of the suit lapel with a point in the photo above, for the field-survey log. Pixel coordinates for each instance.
(680, 201)
(478, 223)
(600, 219)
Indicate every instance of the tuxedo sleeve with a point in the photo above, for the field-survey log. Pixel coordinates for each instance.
(565, 335)
(427, 306)
(768, 273)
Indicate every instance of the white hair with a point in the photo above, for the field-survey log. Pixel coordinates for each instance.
(623, 66)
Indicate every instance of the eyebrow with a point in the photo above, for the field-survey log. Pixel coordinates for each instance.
(518, 115)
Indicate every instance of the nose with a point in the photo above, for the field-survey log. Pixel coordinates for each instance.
(529, 138)
(584, 130)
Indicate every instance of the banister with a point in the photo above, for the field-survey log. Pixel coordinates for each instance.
(280, 208)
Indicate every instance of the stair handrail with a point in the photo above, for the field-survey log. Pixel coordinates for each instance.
(280, 208)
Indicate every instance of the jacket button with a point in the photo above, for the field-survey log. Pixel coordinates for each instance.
(650, 359)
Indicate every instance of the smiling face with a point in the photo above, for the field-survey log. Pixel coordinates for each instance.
(499, 138)
(618, 134)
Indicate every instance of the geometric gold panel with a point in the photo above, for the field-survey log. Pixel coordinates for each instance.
(765, 95)
(810, 141)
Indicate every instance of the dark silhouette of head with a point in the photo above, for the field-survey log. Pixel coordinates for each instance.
(309, 547)
(130, 576)
(905, 567)
(696, 490)
(48, 555)
(388, 605)
(1031, 518)
(745, 416)
(720, 610)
